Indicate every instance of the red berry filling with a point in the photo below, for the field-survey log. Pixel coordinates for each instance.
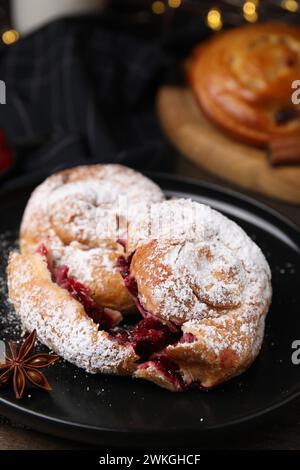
(104, 317)
(187, 338)
(43, 251)
(170, 370)
(150, 336)
(130, 283)
(146, 337)
(123, 266)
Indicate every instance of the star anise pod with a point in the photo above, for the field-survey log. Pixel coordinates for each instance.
(23, 366)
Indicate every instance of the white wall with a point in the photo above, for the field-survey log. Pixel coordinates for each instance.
(30, 14)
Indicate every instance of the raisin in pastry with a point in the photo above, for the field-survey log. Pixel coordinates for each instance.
(242, 80)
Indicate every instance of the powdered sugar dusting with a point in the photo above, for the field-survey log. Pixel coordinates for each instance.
(193, 267)
(88, 204)
(83, 262)
(80, 213)
(209, 277)
(60, 321)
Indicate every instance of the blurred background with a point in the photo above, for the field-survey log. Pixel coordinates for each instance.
(82, 76)
(22, 16)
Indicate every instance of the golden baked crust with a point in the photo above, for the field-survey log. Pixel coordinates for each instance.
(61, 321)
(242, 80)
(201, 284)
(209, 279)
(79, 214)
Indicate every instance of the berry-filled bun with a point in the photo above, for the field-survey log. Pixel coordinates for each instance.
(75, 218)
(204, 276)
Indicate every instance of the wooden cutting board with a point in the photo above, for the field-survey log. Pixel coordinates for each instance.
(197, 139)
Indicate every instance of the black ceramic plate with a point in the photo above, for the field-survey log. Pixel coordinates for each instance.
(121, 411)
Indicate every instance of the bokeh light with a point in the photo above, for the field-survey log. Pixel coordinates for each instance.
(10, 36)
(174, 3)
(249, 11)
(214, 19)
(158, 7)
(290, 5)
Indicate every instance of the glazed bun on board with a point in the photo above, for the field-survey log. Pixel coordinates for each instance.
(242, 80)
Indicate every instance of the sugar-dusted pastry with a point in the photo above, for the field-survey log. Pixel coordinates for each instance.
(69, 321)
(201, 285)
(201, 274)
(77, 216)
(63, 318)
(242, 79)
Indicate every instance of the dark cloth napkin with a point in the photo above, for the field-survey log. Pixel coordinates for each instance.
(80, 91)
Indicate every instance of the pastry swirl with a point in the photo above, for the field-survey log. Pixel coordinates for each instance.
(242, 80)
(78, 214)
(201, 286)
(210, 280)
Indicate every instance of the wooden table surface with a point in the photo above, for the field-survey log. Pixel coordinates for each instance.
(280, 432)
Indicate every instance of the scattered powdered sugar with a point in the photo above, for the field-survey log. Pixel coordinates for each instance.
(9, 322)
